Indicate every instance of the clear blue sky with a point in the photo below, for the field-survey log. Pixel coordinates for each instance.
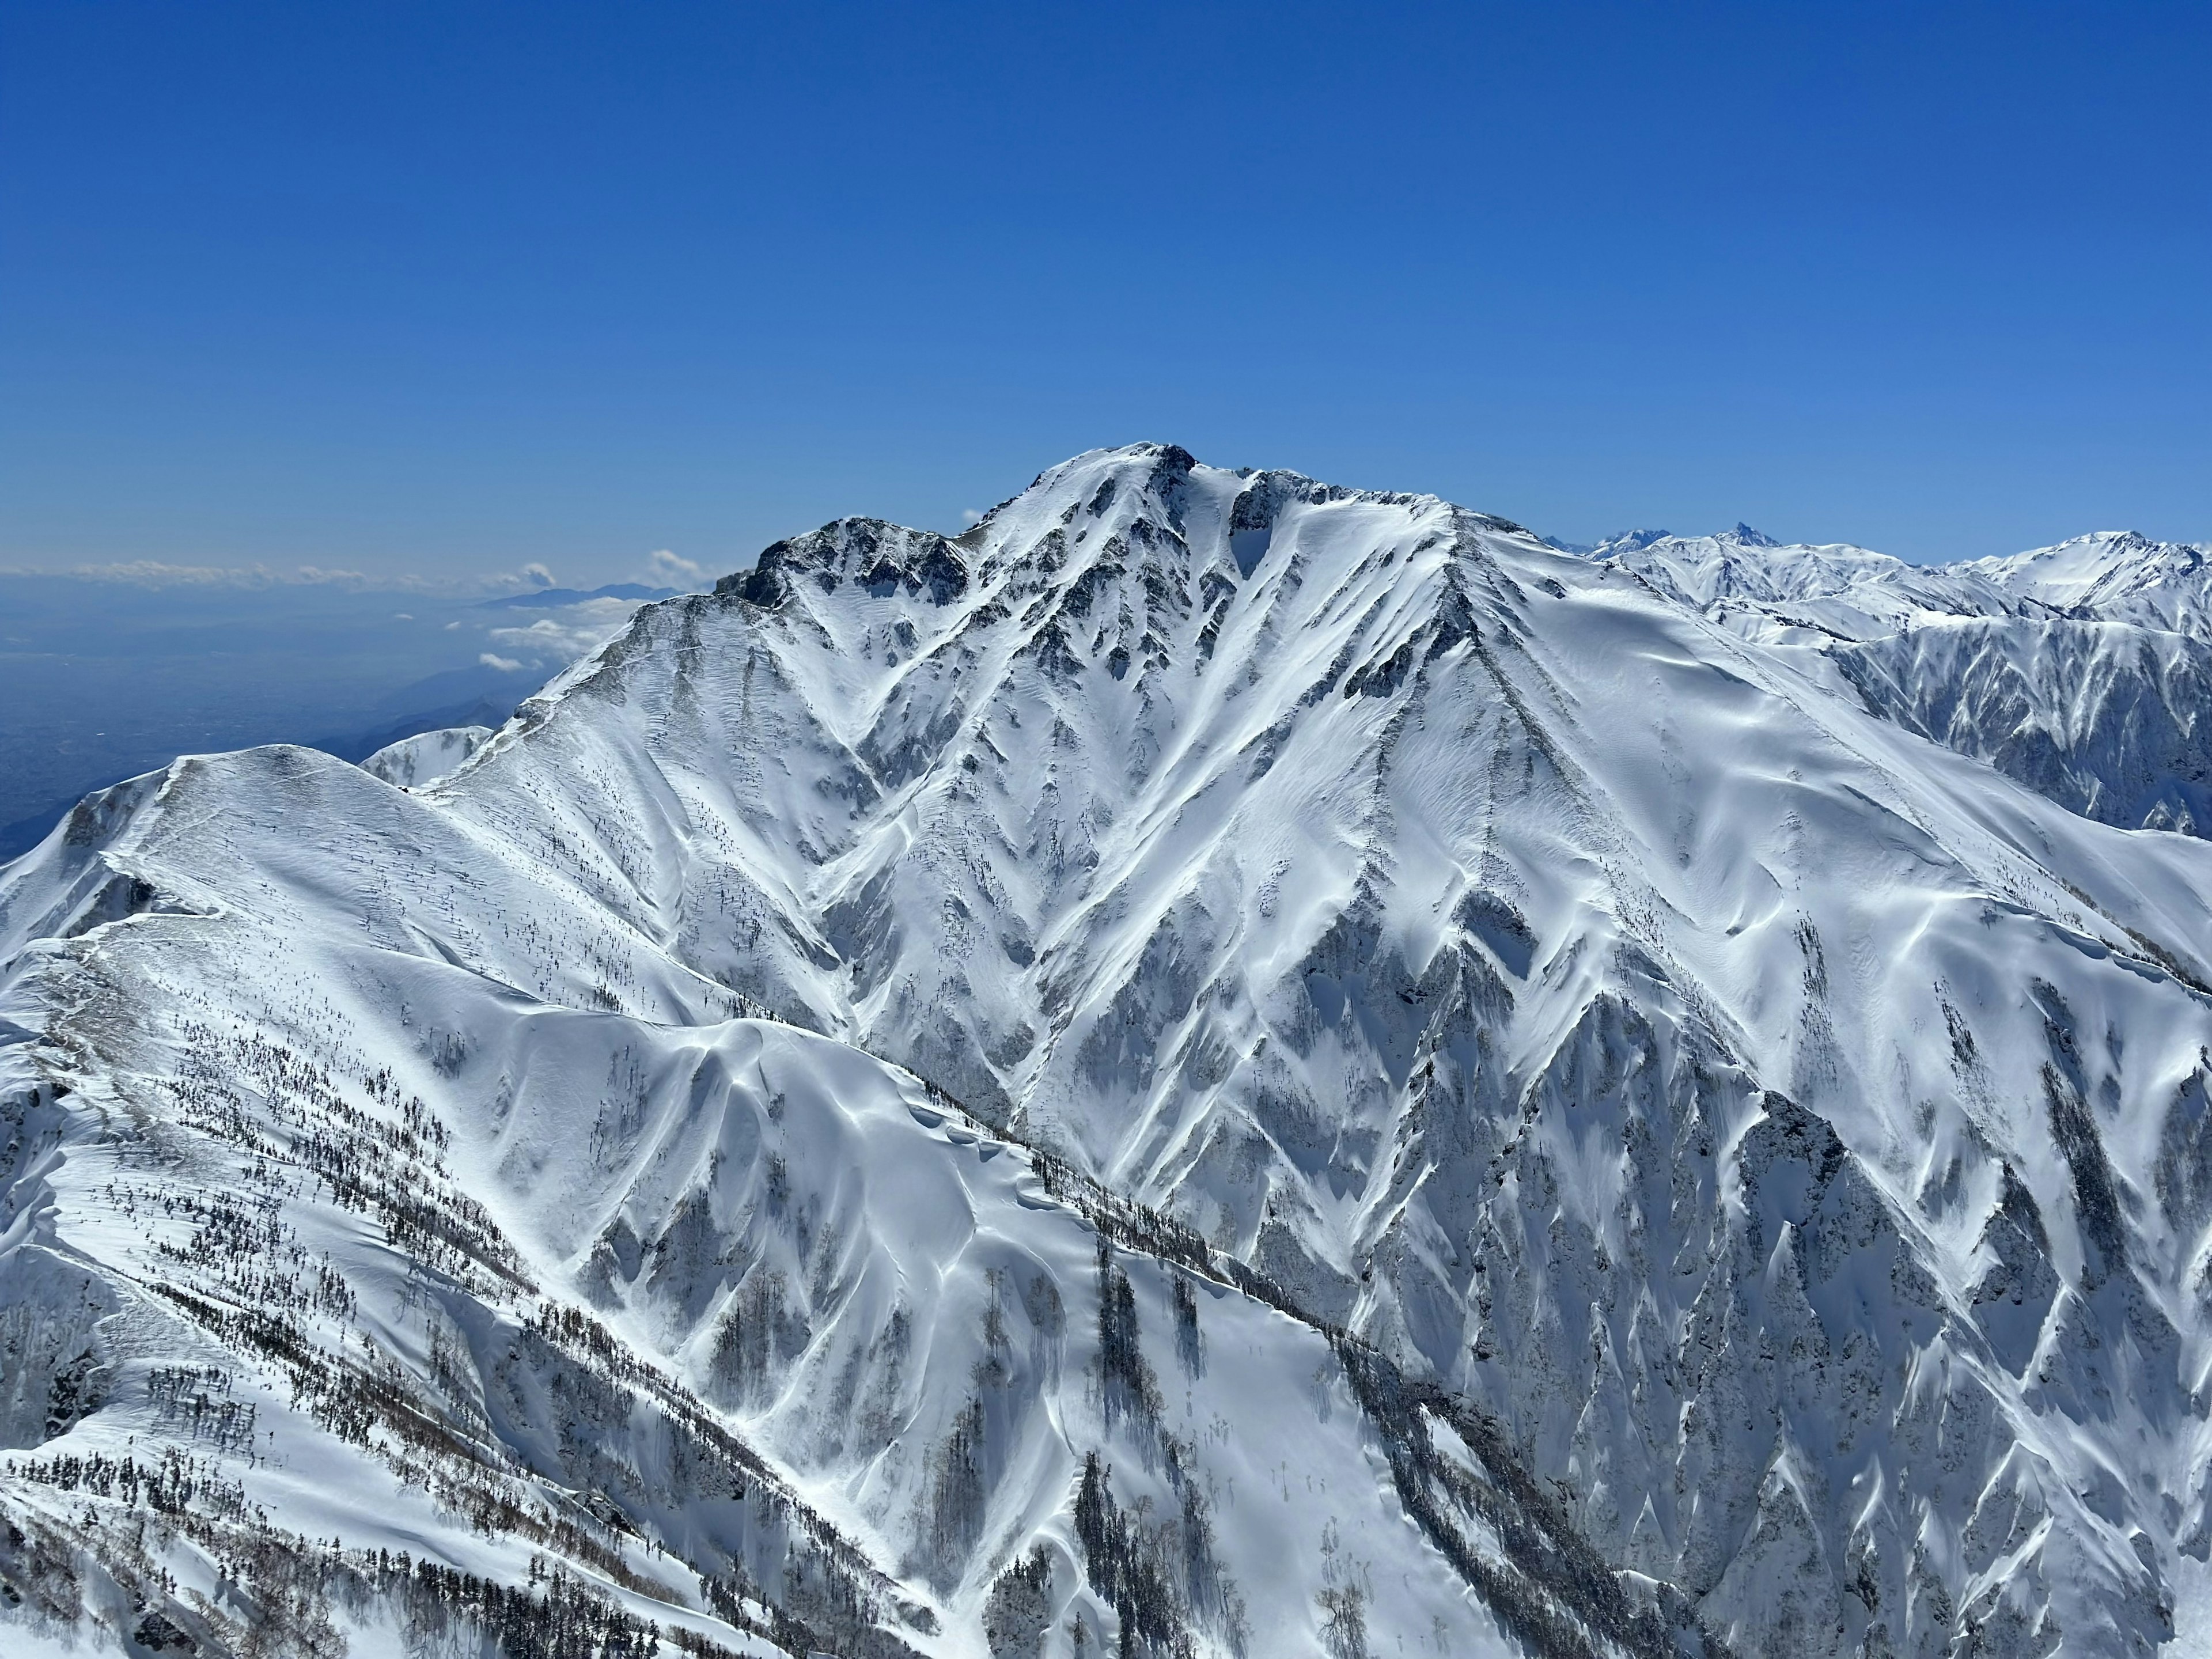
(454, 287)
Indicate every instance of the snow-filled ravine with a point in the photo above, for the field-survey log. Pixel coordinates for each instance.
(1217, 1066)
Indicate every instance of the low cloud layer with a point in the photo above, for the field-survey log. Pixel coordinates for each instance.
(564, 633)
(156, 574)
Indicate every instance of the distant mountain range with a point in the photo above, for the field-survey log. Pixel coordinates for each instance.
(1217, 1065)
(2083, 670)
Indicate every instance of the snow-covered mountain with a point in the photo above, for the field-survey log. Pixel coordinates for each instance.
(1767, 588)
(2081, 670)
(1479, 1100)
(2115, 575)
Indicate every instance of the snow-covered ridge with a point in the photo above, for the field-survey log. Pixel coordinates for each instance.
(2117, 575)
(1744, 568)
(1501, 1116)
(2080, 669)
(413, 762)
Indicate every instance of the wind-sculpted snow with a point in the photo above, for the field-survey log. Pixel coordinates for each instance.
(414, 762)
(1520, 1104)
(2079, 670)
(356, 1296)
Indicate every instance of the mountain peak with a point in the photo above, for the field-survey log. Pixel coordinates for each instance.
(1631, 541)
(1424, 1007)
(878, 556)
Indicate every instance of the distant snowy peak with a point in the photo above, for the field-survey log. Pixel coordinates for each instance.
(2080, 669)
(1631, 541)
(2070, 572)
(1626, 541)
(2109, 575)
(2115, 575)
(1835, 587)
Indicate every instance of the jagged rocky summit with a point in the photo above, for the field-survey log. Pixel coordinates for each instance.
(1216, 1064)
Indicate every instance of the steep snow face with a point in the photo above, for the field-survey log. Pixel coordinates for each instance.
(2115, 574)
(2111, 719)
(354, 1294)
(2078, 669)
(1763, 1148)
(1467, 938)
(426, 756)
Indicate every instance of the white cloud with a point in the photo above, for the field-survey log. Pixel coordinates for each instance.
(505, 665)
(668, 570)
(970, 515)
(573, 630)
(531, 578)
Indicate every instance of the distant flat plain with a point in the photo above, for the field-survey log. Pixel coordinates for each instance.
(101, 680)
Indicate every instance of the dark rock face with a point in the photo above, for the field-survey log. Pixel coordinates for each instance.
(2109, 724)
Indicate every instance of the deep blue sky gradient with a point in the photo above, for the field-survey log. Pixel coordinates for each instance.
(445, 288)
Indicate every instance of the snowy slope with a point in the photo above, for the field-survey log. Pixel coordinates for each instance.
(1756, 1153)
(426, 757)
(710, 1325)
(2115, 574)
(2079, 670)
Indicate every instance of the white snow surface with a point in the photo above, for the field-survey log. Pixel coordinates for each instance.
(1479, 1101)
(424, 758)
(2115, 574)
(2083, 670)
